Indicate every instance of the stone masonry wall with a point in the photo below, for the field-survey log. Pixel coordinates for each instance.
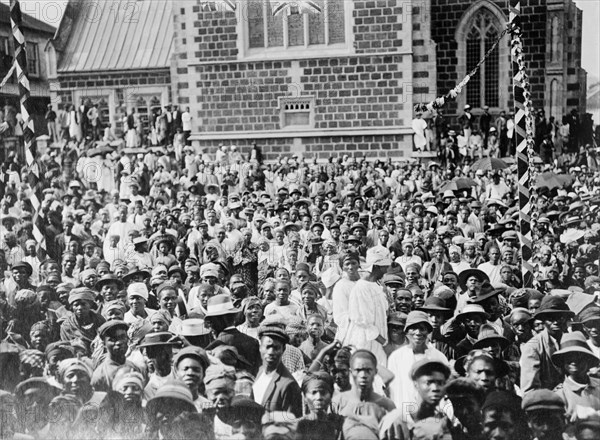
(362, 90)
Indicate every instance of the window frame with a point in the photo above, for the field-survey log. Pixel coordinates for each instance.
(504, 60)
(287, 52)
(35, 49)
(282, 101)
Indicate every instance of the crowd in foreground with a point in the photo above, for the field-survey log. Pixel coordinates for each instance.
(180, 295)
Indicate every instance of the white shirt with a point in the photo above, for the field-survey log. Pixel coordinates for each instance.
(261, 384)
(400, 362)
(186, 121)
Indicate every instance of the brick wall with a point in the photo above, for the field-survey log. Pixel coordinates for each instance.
(365, 89)
(67, 83)
(445, 18)
(324, 147)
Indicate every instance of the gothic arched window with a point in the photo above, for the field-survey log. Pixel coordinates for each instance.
(483, 89)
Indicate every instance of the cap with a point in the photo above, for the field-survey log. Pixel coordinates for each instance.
(542, 399)
(195, 352)
(425, 366)
(111, 325)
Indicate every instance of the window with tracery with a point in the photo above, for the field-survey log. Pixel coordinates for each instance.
(483, 88)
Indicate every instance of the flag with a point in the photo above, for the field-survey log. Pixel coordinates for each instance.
(295, 7)
(217, 5)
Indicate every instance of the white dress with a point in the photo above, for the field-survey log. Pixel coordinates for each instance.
(367, 314)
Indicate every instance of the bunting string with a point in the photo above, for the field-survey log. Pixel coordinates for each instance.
(26, 106)
(452, 94)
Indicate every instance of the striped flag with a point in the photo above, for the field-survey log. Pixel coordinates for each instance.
(26, 112)
(524, 141)
(217, 5)
(291, 7)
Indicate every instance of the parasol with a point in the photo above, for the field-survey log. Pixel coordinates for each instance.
(137, 150)
(98, 151)
(489, 164)
(217, 5)
(552, 180)
(458, 184)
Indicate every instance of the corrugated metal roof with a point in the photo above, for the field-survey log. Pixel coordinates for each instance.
(133, 38)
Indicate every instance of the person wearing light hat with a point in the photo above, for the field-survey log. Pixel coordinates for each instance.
(578, 389)
(137, 297)
(220, 317)
(537, 368)
(75, 376)
(275, 388)
(401, 361)
(545, 412)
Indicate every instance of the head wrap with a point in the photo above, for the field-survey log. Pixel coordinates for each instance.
(220, 375)
(312, 287)
(86, 273)
(40, 326)
(67, 365)
(123, 379)
(249, 301)
(138, 330)
(295, 326)
(33, 358)
(162, 316)
(82, 293)
(137, 289)
(113, 305)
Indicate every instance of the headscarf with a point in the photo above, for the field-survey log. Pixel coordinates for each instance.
(67, 365)
(249, 301)
(116, 304)
(33, 358)
(312, 287)
(122, 379)
(162, 316)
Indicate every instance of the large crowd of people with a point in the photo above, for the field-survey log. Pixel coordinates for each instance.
(180, 293)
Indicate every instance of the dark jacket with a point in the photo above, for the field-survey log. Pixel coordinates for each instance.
(246, 345)
(283, 393)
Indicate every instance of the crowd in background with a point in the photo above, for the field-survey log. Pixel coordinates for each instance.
(179, 293)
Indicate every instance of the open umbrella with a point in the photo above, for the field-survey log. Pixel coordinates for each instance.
(295, 7)
(458, 184)
(98, 151)
(489, 164)
(552, 180)
(138, 150)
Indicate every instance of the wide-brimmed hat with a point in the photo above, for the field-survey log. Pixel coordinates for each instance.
(464, 275)
(159, 339)
(109, 278)
(488, 335)
(574, 343)
(435, 304)
(377, 257)
(133, 272)
(352, 239)
(553, 305)
(417, 317)
(35, 385)
(471, 309)
(172, 389)
(487, 291)
(193, 327)
(220, 305)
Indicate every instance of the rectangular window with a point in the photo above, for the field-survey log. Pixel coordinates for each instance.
(491, 73)
(474, 85)
(297, 112)
(33, 62)
(297, 31)
(6, 58)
